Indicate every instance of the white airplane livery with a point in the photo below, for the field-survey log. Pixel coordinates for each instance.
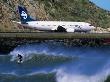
(54, 26)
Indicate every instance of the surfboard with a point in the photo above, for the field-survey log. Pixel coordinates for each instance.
(19, 61)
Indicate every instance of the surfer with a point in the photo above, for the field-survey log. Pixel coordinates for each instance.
(20, 58)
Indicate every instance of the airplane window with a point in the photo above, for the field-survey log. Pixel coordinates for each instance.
(63, 25)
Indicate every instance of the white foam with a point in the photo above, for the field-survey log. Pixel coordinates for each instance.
(28, 51)
(10, 73)
(63, 76)
(38, 72)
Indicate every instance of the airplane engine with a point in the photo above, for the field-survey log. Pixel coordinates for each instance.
(70, 30)
(60, 29)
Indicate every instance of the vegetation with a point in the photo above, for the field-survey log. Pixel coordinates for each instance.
(61, 10)
(77, 10)
(108, 79)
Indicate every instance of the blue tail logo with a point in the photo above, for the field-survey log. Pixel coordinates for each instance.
(24, 15)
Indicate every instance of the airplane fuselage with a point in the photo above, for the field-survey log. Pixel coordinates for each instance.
(53, 25)
(57, 26)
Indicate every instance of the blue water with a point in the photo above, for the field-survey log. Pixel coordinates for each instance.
(70, 64)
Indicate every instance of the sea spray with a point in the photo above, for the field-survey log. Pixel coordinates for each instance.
(63, 76)
(87, 70)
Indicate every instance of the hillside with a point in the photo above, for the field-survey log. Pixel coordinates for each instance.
(64, 10)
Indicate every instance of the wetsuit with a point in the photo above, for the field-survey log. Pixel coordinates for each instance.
(20, 58)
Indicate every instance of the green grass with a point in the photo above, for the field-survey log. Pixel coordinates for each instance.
(108, 79)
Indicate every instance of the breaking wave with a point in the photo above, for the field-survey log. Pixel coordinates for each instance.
(28, 51)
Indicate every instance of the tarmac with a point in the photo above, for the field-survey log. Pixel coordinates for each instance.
(51, 35)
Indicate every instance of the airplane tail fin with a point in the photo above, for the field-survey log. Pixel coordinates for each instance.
(24, 15)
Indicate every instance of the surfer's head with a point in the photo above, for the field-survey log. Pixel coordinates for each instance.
(20, 56)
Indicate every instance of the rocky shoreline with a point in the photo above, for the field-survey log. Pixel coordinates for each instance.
(101, 30)
(8, 45)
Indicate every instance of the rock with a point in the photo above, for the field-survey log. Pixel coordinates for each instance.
(101, 30)
(108, 29)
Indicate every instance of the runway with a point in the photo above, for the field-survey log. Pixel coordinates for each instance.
(51, 35)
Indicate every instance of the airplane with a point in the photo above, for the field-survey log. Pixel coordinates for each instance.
(53, 26)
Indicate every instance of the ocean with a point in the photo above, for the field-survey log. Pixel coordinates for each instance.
(47, 62)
